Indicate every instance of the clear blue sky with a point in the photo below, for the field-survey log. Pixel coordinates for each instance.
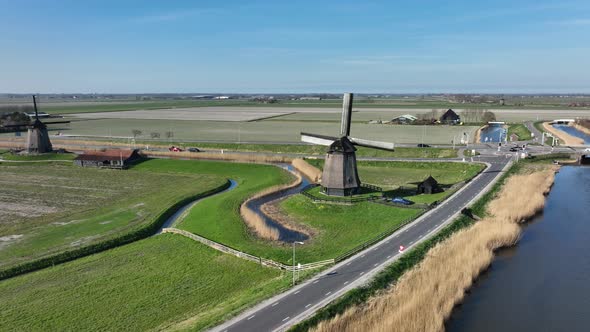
(294, 46)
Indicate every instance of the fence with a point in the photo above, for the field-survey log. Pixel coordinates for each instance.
(341, 200)
(243, 255)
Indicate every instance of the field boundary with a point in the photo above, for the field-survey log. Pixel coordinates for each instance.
(262, 261)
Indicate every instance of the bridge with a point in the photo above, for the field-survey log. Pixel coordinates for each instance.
(563, 121)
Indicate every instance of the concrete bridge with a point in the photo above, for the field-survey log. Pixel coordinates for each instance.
(563, 121)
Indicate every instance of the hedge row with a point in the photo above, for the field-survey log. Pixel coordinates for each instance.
(393, 272)
(141, 233)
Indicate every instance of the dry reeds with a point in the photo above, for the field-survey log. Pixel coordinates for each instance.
(255, 221)
(425, 296)
(311, 172)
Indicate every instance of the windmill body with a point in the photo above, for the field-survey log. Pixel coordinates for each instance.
(340, 175)
(37, 135)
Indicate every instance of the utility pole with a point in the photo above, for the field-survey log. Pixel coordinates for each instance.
(294, 242)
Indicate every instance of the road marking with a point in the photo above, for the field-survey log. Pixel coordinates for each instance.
(274, 304)
(389, 256)
(348, 263)
(363, 255)
(315, 282)
(345, 282)
(286, 318)
(376, 264)
(307, 306)
(297, 292)
(362, 273)
(251, 317)
(328, 293)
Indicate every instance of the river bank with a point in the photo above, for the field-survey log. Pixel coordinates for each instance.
(424, 297)
(541, 284)
(566, 138)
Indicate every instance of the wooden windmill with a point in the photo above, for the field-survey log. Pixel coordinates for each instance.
(37, 136)
(340, 176)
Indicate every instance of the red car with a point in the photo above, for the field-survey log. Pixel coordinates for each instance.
(174, 149)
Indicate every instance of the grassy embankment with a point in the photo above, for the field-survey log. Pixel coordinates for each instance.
(162, 282)
(4, 154)
(399, 178)
(359, 297)
(51, 209)
(521, 130)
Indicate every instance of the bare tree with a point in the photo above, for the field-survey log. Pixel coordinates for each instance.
(136, 132)
(155, 135)
(489, 116)
(169, 134)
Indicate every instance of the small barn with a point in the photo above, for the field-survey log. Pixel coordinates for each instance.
(429, 186)
(109, 158)
(514, 137)
(450, 117)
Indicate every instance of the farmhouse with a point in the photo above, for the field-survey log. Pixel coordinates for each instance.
(112, 158)
(450, 117)
(429, 186)
(514, 137)
(404, 119)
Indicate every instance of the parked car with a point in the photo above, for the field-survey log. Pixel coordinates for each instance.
(422, 145)
(587, 150)
(174, 149)
(193, 150)
(513, 149)
(401, 200)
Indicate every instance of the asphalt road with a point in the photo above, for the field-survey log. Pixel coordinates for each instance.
(300, 302)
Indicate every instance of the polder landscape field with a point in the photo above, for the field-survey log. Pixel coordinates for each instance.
(168, 281)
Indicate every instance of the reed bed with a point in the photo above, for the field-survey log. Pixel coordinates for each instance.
(425, 296)
(238, 157)
(311, 172)
(254, 221)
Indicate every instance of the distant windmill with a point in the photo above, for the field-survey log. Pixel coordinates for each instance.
(37, 136)
(340, 176)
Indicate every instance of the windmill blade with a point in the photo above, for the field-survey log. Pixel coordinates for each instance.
(372, 144)
(346, 114)
(317, 139)
(56, 122)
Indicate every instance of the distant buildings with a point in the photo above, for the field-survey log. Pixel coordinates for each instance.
(404, 119)
(110, 158)
(429, 186)
(450, 117)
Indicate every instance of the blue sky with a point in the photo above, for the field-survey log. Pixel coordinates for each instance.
(294, 46)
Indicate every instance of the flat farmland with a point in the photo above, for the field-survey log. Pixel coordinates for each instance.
(258, 131)
(46, 209)
(200, 114)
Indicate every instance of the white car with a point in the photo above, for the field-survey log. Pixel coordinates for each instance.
(587, 150)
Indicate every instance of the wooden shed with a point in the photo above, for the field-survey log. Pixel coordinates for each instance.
(450, 117)
(110, 158)
(429, 186)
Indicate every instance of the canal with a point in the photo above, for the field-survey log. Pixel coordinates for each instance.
(543, 283)
(493, 133)
(574, 132)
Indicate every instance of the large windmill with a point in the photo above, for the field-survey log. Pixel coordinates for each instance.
(340, 176)
(37, 136)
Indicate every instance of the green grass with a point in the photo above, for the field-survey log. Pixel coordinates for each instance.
(365, 193)
(519, 129)
(151, 284)
(38, 157)
(338, 228)
(52, 208)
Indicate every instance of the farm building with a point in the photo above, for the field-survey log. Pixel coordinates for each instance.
(112, 158)
(429, 186)
(404, 119)
(450, 117)
(514, 137)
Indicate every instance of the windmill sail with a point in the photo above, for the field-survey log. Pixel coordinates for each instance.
(317, 139)
(346, 115)
(372, 144)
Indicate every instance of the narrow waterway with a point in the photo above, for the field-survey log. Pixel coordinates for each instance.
(574, 132)
(542, 284)
(492, 133)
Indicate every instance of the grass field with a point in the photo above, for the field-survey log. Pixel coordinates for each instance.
(519, 129)
(51, 208)
(166, 281)
(218, 218)
(4, 154)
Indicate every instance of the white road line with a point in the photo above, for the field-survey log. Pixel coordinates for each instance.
(251, 317)
(362, 273)
(376, 264)
(286, 318)
(363, 255)
(307, 306)
(345, 282)
(297, 292)
(315, 282)
(348, 263)
(328, 293)
(389, 256)
(274, 304)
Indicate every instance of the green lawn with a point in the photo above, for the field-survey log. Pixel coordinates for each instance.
(37, 157)
(165, 281)
(519, 129)
(51, 208)
(338, 228)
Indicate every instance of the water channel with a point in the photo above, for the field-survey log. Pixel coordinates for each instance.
(492, 133)
(543, 283)
(574, 132)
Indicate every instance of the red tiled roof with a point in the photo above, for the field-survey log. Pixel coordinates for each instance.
(110, 154)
